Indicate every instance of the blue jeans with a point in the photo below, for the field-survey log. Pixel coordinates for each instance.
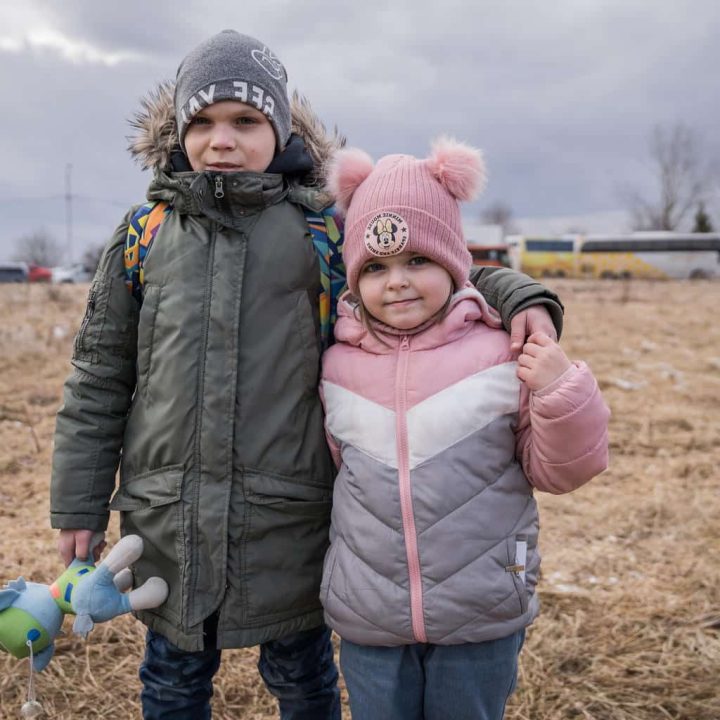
(431, 682)
(298, 670)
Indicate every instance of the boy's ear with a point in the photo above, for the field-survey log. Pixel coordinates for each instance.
(348, 169)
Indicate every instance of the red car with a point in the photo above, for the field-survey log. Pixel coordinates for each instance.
(37, 273)
(494, 255)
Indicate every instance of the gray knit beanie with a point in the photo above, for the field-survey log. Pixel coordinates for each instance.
(231, 66)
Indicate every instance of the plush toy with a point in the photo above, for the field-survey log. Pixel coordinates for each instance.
(31, 614)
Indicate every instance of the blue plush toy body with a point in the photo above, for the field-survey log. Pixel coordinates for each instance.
(31, 614)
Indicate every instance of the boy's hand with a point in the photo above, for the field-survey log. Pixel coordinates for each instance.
(76, 544)
(535, 319)
(541, 362)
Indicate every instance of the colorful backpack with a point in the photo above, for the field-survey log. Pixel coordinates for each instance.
(326, 230)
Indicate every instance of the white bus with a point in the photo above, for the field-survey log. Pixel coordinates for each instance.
(543, 256)
(653, 255)
(650, 255)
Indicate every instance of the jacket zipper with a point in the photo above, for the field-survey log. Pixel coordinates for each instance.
(417, 613)
(187, 607)
(219, 190)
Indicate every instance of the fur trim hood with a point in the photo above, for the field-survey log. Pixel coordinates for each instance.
(155, 139)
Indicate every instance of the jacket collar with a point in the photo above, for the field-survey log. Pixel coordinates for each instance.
(227, 198)
(467, 307)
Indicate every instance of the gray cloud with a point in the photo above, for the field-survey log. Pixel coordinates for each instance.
(561, 96)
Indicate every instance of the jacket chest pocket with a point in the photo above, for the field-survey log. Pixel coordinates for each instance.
(107, 329)
(83, 340)
(146, 336)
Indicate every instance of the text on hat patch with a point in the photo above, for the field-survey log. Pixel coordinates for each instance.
(386, 234)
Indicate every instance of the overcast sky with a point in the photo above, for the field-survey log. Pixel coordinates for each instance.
(562, 96)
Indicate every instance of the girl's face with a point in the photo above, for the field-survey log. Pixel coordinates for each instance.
(404, 290)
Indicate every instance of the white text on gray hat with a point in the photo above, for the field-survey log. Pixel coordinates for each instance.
(262, 100)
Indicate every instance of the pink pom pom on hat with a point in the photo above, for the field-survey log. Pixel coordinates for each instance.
(404, 203)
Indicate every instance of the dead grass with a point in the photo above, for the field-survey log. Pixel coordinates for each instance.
(630, 623)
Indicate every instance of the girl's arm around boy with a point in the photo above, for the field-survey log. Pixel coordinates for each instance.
(563, 427)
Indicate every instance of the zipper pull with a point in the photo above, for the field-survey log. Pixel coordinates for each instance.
(405, 343)
(219, 192)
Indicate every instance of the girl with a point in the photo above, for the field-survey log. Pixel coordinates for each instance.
(441, 435)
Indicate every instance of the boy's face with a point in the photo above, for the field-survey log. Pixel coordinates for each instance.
(230, 136)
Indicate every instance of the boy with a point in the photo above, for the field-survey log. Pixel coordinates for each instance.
(207, 394)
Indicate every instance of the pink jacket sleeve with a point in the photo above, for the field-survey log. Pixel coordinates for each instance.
(562, 435)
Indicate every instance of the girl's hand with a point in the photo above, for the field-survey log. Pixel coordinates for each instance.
(541, 362)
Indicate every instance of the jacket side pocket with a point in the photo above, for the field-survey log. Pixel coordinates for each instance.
(285, 540)
(328, 569)
(517, 568)
(150, 506)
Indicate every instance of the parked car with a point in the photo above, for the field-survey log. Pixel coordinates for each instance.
(494, 255)
(13, 272)
(38, 273)
(77, 273)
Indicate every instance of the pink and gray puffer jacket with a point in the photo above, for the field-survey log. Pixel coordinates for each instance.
(434, 525)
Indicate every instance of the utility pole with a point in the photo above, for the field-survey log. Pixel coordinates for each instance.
(68, 213)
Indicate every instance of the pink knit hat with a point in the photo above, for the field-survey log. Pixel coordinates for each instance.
(405, 203)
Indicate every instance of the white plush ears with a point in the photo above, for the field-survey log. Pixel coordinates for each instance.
(459, 168)
(347, 170)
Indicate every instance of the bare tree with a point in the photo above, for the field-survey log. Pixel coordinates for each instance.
(38, 248)
(682, 177)
(91, 258)
(703, 223)
(499, 214)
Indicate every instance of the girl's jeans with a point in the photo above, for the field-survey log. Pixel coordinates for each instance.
(431, 682)
(298, 670)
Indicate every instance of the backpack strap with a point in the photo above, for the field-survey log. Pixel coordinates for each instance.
(326, 229)
(141, 232)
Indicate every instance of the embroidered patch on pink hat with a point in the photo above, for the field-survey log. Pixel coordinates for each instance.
(386, 234)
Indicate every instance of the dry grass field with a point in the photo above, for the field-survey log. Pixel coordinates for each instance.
(630, 591)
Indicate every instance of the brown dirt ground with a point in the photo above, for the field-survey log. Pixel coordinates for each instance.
(630, 627)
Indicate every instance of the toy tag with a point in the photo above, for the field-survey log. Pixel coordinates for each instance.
(31, 707)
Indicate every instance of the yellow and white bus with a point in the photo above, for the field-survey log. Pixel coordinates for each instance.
(652, 255)
(544, 256)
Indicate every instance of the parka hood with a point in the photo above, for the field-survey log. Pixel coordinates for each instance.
(154, 142)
